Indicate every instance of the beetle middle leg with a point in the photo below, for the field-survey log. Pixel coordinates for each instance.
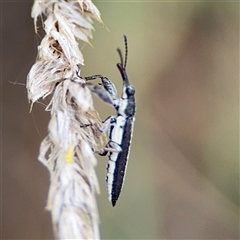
(111, 146)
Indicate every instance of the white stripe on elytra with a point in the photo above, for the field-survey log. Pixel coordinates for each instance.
(117, 130)
(116, 137)
(123, 104)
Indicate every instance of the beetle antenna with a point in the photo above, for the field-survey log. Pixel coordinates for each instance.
(120, 55)
(126, 51)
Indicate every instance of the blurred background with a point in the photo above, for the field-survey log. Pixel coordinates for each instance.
(183, 173)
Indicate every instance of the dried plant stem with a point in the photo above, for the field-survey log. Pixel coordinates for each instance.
(74, 128)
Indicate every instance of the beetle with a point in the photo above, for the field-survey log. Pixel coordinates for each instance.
(119, 127)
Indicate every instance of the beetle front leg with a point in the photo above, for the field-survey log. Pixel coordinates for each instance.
(107, 84)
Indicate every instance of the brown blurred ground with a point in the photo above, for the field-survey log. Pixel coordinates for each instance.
(183, 174)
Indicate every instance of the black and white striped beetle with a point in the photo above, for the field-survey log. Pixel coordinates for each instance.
(120, 127)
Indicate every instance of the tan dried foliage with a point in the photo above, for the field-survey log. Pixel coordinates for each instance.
(75, 127)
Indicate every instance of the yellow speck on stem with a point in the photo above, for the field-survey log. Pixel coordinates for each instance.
(69, 155)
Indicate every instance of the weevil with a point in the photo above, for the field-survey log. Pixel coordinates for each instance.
(119, 127)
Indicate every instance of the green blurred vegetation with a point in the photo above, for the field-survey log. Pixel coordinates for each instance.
(183, 61)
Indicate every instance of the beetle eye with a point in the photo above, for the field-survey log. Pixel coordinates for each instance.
(130, 90)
